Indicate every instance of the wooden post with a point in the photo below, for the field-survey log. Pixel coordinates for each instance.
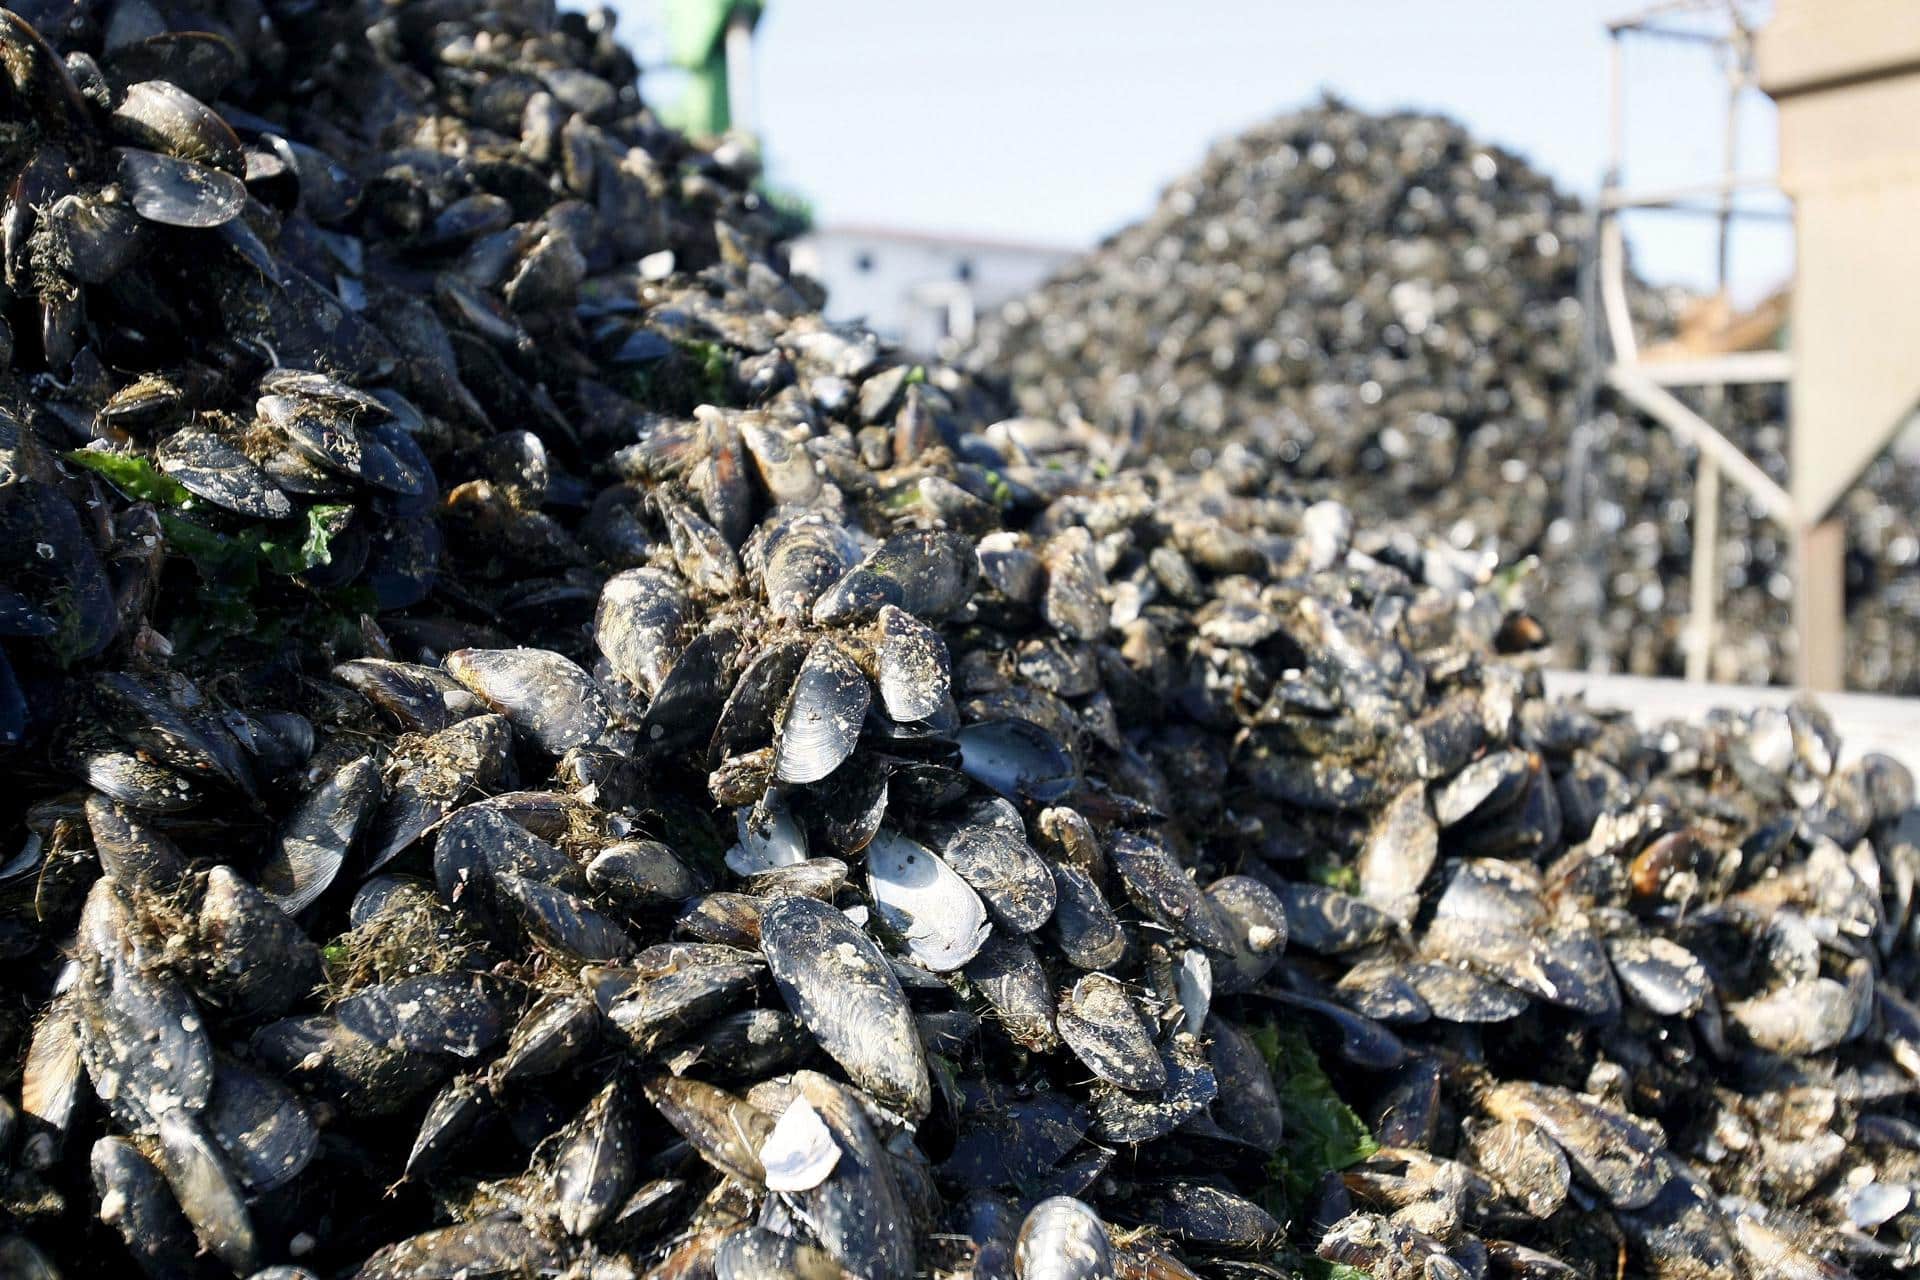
(1820, 604)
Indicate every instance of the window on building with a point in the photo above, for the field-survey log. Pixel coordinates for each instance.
(863, 263)
(964, 271)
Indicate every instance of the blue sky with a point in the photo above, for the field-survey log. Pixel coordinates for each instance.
(1060, 120)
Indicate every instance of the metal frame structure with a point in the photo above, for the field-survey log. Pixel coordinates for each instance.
(1646, 383)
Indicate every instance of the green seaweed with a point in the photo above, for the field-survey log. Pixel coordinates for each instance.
(1323, 1133)
(136, 477)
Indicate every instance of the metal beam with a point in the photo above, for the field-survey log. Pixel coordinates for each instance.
(1703, 604)
(1736, 367)
(1663, 197)
(1638, 19)
(1820, 605)
(1670, 412)
(1613, 291)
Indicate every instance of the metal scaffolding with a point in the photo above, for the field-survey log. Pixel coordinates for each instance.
(1845, 75)
(1645, 381)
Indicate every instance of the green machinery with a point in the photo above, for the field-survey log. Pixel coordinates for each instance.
(712, 41)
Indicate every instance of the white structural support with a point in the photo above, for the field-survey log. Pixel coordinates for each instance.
(1645, 382)
(1663, 407)
(1732, 369)
(740, 86)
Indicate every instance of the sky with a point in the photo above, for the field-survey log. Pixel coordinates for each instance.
(1059, 121)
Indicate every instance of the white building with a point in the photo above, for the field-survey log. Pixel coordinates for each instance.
(920, 289)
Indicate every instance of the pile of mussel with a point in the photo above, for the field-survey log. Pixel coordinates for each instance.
(1392, 309)
(529, 753)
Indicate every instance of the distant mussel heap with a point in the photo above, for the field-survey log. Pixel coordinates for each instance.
(529, 753)
(1393, 309)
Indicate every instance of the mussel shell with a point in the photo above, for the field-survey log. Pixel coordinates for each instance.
(595, 1162)
(912, 666)
(1018, 759)
(427, 784)
(683, 712)
(641, 625)
(1083, 925)
(209, 467)
(458, 1015)
(97, 239)
(264, 1130)
(1099, 1022)
(136, 1201)
(318, 835)
(1328, 921)
(251, 959)
(179, 193)
(726, 1131)
(1159, 885)
(1010, 978)
(921, 899)
(822, 721)
(549, 700)
(856, 1211)
(797, 559)
(751, 715)
(1206, 1216)
(201, 63)
(928, 573)
(836, 981)
(1612, 1151)
(562, 920)
(1063, 1239)
(208, 1191)
(490, 1247)
(548, 1038)
(163, 116)
(987, 846)
(451, 1117)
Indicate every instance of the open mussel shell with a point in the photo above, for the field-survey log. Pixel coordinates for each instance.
(822, 721)
(751, 716)
(919, 897)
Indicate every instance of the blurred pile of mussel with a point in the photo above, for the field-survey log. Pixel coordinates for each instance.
(528, 753)
(1389, 307)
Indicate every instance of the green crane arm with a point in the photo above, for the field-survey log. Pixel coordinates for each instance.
(697, 43)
